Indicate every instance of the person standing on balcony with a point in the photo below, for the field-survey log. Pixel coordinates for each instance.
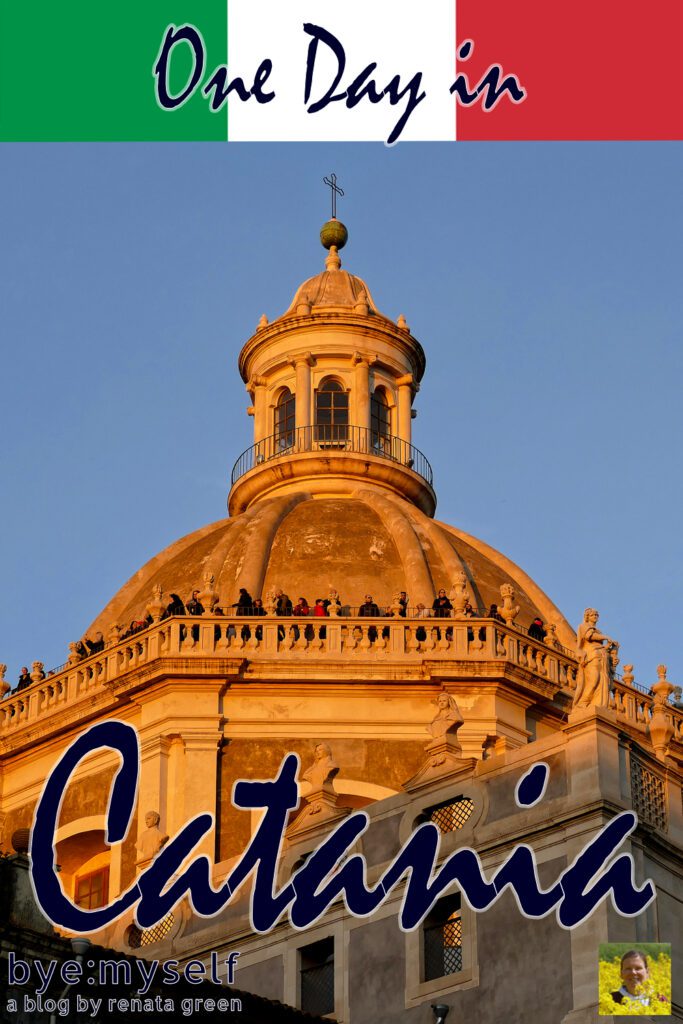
(175, 607)
(442, 607)
(244, 603)
(370, 608)
(283, 604)
(194, 606)
(24, 679)
(537, 630)
(301, 607)
(495, 614)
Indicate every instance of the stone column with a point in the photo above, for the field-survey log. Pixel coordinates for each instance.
(302, 364)
(361, 402)
(405, 397)
(153, 792)
(201, 767)
(257, 386)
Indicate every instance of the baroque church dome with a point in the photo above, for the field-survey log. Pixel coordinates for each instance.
(332, 494)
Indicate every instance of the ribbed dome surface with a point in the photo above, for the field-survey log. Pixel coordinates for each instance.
(368, 543)
(334, 289)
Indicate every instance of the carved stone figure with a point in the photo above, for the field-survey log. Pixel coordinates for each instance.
(208, 596)
(661, 728)
(334, 607)
(152, 839)
(114, 634)
(4, 685)
(596, 654)
(323, 769)
(507, 611)
(447, 719)
(156, 606)
(459, 598)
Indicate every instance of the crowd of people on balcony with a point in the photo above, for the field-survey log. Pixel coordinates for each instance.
(283, 607)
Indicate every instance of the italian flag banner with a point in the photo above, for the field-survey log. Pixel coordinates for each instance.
(361, 70)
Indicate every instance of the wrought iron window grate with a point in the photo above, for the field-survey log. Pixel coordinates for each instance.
(138, 937)
(648, 796)
(317, 977)
(443, 947)
(453, 815)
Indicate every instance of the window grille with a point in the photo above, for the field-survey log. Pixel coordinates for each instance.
(443, 939)
(451, 816)
(317, 977)
(138, 937)
(648, 795)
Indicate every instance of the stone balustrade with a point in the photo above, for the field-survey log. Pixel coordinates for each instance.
(636, 706)
(346, 639)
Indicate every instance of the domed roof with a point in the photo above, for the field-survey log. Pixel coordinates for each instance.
(370, 543)
(333, 288)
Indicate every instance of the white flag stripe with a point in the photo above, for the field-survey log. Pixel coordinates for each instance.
(402, 37)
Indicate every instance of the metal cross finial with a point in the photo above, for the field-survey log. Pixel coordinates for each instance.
(336, 191)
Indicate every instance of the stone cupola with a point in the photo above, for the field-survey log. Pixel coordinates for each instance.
(332, 383)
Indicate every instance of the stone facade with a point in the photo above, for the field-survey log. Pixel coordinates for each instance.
(408, 716)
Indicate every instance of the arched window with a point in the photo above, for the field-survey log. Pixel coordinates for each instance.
(379, 418)
(332, 413)
(285, 412)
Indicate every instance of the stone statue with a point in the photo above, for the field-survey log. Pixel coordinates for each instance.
(507, 611)
(660, 727)
(323, 769)
(152, 839)
(156, 606)
(597, 656)
(458, 595)
(114, 634)
(447, 719)
(334, 607)
(4, 685)
(208, 596)
(270, 602)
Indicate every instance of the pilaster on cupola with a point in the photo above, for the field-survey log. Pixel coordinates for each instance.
(332, 383)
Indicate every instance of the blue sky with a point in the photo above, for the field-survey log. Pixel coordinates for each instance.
(542, 279)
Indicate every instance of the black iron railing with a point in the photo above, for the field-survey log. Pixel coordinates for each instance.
(329, 437)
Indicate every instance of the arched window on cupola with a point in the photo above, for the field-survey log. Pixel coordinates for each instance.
(285, 413)
(380, 424)
(331, 413)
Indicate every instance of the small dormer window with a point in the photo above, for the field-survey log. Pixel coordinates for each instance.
(331, 413)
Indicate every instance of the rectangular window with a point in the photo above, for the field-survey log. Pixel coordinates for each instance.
(316, 973)
(92, 891)
(442, 937)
